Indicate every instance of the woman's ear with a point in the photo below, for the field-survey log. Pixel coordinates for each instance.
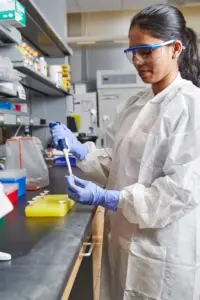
(177, 49)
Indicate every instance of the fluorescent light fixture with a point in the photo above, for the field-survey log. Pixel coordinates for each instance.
(121, 42)
(86, 43)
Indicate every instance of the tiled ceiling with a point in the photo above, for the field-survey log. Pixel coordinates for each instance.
(108, 5)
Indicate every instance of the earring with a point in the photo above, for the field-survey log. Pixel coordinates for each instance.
(174, 55)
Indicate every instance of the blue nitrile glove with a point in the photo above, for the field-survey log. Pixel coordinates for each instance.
(89, 193)
(60, 131)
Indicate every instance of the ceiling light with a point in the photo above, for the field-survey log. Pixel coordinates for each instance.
(121, 42)
(86, 43)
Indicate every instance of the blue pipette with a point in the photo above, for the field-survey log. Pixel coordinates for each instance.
(63, 145)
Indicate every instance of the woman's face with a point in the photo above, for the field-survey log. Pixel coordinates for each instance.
(156, 65)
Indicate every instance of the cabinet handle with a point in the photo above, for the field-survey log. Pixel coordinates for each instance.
(90, 250)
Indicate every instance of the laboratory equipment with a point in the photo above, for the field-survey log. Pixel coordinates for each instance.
(106, 120)
(61, 161)
(114, 87)
(83, 138)
(15, 176)
(49, 206)
(63, 145)
(27, 153)
(57, 158)
(85, 106)
(5, 256)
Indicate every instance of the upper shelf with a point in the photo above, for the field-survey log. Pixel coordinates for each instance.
(9, 36)
(7, 93)
(40, 33)
(34, 79)
(38, 82)
(15, 118)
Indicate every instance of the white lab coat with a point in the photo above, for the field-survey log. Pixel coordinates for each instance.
(152, 244)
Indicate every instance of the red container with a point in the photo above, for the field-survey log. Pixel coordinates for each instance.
(11, 191)
(18, 107)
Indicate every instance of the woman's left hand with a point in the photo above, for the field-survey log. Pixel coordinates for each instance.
(88, 193)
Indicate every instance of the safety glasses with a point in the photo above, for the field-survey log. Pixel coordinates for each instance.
(146, 52)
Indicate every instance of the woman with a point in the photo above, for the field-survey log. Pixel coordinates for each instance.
(152, 173)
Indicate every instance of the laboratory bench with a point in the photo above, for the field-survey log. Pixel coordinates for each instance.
(52, 258)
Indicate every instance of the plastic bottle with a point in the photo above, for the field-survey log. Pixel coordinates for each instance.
(27, 131)
(36, 63)
(43, 66)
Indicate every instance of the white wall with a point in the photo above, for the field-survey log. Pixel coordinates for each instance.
(117, 23)
(55, 12)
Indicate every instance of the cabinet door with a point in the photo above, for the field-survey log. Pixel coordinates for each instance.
(97, 238)
(80, 280)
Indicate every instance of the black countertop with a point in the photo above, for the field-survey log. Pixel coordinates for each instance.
(44, 250)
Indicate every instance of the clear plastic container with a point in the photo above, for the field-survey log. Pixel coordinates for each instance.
(15, 176)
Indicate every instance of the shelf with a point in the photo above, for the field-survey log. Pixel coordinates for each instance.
(7, 93)
(15, 118)
(8, 36)
(37, 122)
(40, 33)
(38, 82)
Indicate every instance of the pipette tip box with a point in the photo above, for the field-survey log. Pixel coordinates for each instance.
(49, 206)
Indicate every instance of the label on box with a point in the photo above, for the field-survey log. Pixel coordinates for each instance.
(20, 13)
(21, 92)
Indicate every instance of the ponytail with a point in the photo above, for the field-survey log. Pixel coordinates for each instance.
(168, 23)
(189, 62)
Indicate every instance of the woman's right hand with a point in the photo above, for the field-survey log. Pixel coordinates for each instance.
(60, 131)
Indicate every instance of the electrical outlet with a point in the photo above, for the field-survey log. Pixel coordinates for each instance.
(18, 120)
(1, 119)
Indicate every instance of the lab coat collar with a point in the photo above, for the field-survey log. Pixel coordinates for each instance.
(160, 96)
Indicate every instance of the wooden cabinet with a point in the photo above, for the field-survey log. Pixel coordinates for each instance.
(97, 238)
(95, 249)
(74, 274)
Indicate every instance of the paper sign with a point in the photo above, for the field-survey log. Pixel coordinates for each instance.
(87, 105)
(21, 91)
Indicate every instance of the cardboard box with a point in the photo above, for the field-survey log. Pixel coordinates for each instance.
(12, 13)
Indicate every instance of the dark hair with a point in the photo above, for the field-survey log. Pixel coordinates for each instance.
(168, 23)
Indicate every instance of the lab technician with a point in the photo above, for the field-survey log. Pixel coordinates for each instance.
(152, 172)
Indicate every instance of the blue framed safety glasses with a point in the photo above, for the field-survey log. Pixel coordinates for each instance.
(145, 52)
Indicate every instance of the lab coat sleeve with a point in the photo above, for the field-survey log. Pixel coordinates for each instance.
(175, 194)
(96, 164)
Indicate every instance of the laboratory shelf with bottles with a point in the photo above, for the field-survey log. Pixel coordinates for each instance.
(33, 89)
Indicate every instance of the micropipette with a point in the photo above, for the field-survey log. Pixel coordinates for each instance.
(63, 144)
(66, 153)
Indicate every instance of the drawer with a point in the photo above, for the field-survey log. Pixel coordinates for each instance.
(86, 251)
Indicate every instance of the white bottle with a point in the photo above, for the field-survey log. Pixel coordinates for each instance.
(43, 66)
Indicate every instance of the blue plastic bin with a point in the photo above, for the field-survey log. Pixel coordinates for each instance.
(61, 161)
(15, 176)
